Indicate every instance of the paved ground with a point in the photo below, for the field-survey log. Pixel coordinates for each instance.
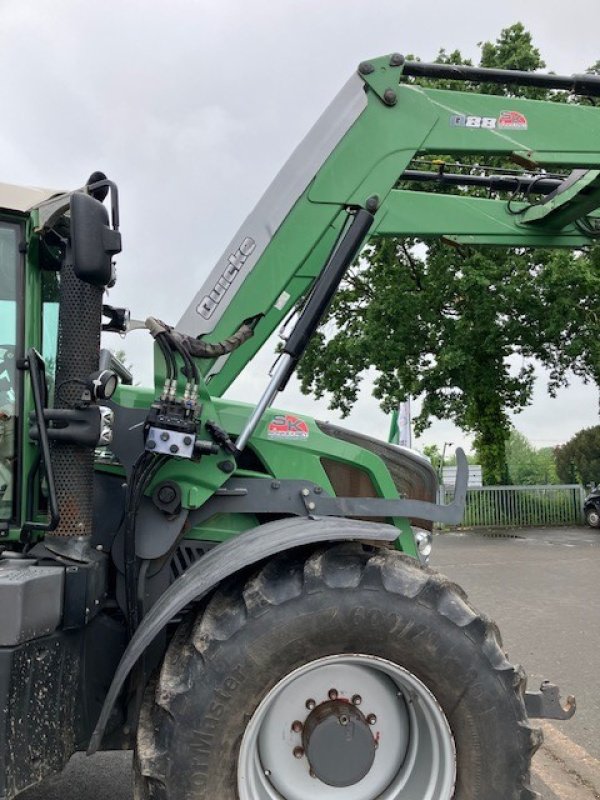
(543, 589)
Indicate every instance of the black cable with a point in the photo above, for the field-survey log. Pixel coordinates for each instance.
(529, 190)
(511, 200)
(190, 367)
(586, 227)
(142, 474)
(141, 590)
(170, 363)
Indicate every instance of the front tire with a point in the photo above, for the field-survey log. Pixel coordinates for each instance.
(592, 517)
(385, 624)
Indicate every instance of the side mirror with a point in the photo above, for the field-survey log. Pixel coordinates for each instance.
(93, 241)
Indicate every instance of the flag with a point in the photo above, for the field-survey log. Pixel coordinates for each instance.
(394, 435)
(401, 425)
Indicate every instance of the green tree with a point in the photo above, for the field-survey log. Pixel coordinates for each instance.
(527, 465)
(578, 461)
(441, 324)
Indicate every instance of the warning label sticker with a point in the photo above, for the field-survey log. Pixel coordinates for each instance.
(286, 426)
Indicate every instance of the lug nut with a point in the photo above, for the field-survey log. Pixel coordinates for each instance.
(333, 694)
(356, 700)
(310, 704)
(371, 719)
(297, 726)
(298, 752)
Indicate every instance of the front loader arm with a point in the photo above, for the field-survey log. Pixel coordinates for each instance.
(354, 158)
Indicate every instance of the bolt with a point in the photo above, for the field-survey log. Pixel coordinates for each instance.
(333, 694)
(372, 204)
(164, 436)
(297, 726)
(344, 720)
(365, 68)
(174, 448)
(99, 547)
(311, 506)
(356, 700)
(305, 492)
(268, 773)
(298, 752)
(389, 97)
(167, 494)
(371, 719)
(187, 440)
(151, 445)
(396, 60)
(275, 485)
(310, 704)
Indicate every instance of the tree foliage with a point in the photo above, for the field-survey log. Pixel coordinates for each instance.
(460, 328)
(578, 461)
(528, 466)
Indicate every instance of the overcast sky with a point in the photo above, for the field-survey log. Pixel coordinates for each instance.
(192, 106)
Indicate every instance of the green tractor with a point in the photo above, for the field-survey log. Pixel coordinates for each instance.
(241, 594)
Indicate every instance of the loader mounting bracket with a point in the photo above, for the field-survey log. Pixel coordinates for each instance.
(546, 703)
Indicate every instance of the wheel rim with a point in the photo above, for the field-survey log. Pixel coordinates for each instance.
(593, 518)
(414, 758)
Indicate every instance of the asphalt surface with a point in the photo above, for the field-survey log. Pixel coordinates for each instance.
(542, 587)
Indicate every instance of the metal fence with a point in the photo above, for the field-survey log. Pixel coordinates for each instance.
(521, 506)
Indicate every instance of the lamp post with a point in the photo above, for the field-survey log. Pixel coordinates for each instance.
(443, 460)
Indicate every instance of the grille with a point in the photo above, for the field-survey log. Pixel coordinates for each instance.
(80, 319)
(188, 552)
(412, 474)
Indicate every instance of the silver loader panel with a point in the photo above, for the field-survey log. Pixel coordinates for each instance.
(251, 240)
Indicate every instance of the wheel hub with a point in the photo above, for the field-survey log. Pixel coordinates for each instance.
(338, 743)
(347, 727)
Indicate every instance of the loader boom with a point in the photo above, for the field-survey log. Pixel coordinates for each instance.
(357, 156)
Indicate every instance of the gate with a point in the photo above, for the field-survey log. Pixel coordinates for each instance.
(521, 506)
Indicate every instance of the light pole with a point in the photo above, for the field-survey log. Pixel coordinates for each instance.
(443, 460)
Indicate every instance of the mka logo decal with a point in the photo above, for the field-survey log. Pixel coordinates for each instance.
(235, 262)
(508, 120)
(512, 119)
(286, 426)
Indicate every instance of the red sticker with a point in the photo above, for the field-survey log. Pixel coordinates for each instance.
(286, 426)
(512, 119)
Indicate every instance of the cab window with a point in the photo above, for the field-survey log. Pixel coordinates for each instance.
(9, 263)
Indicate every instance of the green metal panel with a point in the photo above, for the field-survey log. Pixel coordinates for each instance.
(470, 220)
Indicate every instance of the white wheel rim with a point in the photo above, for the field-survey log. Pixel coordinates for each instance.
(415, 757)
